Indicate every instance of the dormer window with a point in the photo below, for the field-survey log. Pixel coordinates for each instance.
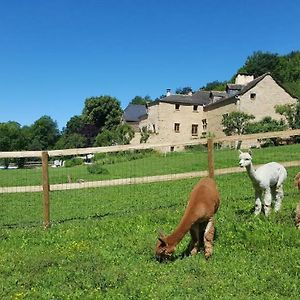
(252, 96)
(177, 106)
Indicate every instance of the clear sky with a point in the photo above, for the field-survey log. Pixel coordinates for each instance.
(56, 53)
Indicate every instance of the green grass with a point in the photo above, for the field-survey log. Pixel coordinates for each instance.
(101, 244)
(178, 162)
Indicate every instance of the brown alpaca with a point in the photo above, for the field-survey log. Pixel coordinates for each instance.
(297, 181)
(297, 185)
(203, 203)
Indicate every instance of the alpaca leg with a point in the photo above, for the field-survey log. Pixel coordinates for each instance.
(258, 205)
(278, 198)
(267, 201)
(208, 238)
(194, 244)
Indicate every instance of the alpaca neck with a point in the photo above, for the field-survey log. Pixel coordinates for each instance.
(177, 235)
(251, 172)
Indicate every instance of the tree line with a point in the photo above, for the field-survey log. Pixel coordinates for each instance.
(100, 123)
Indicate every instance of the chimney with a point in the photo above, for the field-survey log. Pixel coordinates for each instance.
(168, 93)
(243, 79)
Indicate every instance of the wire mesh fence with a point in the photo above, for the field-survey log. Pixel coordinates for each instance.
(84, 183)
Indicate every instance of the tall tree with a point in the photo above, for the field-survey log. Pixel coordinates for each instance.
(44, 134)
(104, 112)
(74, 125)
(12, 137)
(260, 63)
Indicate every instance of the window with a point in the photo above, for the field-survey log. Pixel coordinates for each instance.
(252, 96)
(177, 106)
(176, 127)
(204, 124)
(194, 129)
(195, 108)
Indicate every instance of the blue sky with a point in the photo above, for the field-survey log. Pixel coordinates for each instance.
(55, 54)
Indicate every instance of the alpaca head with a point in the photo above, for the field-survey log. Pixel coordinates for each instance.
(163, 250)
(245, 159)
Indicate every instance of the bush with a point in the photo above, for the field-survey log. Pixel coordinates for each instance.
(75, 161)
(97, 169)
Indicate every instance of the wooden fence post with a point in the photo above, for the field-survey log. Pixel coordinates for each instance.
(46, 189)
(210, 157)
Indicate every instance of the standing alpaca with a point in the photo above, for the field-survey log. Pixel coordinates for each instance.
(198, 219)
(268, 180)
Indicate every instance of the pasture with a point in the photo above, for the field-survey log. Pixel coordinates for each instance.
(101, 243)
(152, 164)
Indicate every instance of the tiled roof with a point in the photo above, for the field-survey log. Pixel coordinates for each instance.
(198, 98)
(133, 112)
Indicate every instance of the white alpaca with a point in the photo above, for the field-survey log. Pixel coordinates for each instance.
(267, 181)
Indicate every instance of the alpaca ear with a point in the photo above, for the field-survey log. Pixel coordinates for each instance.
(163, 242)
(161, 238)
(240, 151)
(250, 152)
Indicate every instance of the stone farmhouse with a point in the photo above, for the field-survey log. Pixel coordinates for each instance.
(184, 118)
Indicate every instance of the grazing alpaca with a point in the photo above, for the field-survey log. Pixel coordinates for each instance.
(268, 180)
(297, 217)
(198, 219)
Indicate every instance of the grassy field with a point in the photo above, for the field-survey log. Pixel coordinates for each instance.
(177, 162)
(101, 244)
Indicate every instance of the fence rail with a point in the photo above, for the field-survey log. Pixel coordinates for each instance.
(45, 188)
(118, 148)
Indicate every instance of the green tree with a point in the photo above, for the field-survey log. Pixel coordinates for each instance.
(215, 86)
(104, 112)
(184, 91)
(72, 140)
(12, 137)
(74, 125)
(291, 112)
(236, 122)
(267, 124)
(44, 134)
(141, 100)
(145, 134)
(260, 63)
(122, 135)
